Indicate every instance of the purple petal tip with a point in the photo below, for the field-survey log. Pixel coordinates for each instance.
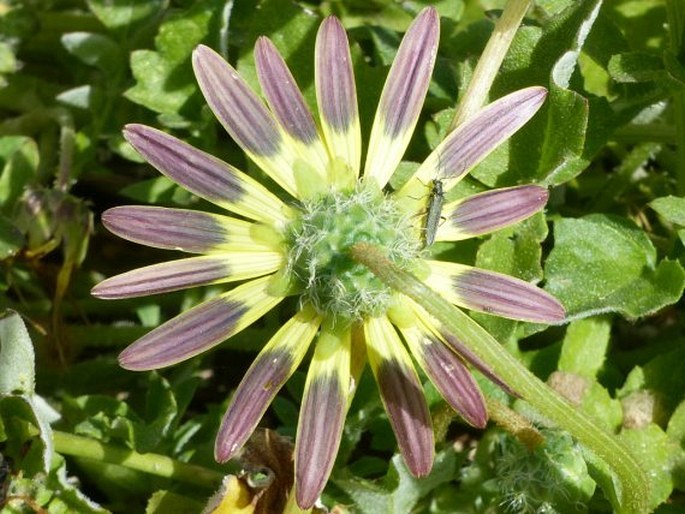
(128, 360)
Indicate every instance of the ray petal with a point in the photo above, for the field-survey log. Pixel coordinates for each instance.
(288, 105)
(322, 415)
(271, 369)
(182, 229)
(494, 293)
(336, 94)
(402, 394)
(457, 346)
(474, 139)
(486, 212)
(447, 371)
(403, 95)
(244, 116)
(200, 328)
(205, 175)
(190, 272)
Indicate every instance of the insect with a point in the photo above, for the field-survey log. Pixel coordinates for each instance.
(433, 213)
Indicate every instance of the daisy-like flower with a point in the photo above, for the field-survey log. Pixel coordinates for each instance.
(279, 248)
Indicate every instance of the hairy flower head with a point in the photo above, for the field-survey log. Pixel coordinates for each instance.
(277, 248)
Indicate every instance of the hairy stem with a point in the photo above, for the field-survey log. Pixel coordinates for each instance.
(490, 61)
(155, 464)
(634, 486)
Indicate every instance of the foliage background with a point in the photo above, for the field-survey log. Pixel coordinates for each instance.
(610, 142)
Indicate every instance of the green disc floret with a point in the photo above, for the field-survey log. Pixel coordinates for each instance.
(318, 242)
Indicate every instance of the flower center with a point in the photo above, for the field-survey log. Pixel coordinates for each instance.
(318, 257)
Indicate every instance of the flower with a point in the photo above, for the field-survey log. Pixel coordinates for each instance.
(299, 247)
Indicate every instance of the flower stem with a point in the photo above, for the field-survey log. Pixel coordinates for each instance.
(517, 425)
(155, 464)
(634, 485)
(676, 25)
(490, 61)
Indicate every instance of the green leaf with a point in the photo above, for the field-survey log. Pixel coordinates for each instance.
(656, 455)
(79, 97)
(290, 38)
(156, 190)
(585, 345)
(675, 69)
(161, 410)
(125, 17)
(636, 67)
(671, 208)
(21, 413)
(583, 269)
(556, 138)
(659, 376)
(94, 50)
(399, 491)
(110, 420)
(676, 432)
(17, 368)
(101, 417)
(516, 250)
(8, 62)
(11, 239)
(676, 425)
(55, 492)
(167, 502)
(19, 157)
(164, 78)
(600, 406)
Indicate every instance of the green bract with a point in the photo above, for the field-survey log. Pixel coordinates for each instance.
(318, 242)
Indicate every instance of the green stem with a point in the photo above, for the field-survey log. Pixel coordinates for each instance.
(676, 27)
(66, 148)
(647, 133)
(490, 61)
(160, 465)
(634, 485)
(517, 425)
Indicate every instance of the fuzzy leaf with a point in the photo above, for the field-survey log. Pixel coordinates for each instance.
(164, 78)
(671, 208)
(17, 368)
(52, 492)
(124, 17)
(94, 50)
(656, 455)
(584, 348)
(161, 409)
(583, 270)
(661, 376)
(399, 491)
(636, 67)
(30, 415)
(19, 158)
